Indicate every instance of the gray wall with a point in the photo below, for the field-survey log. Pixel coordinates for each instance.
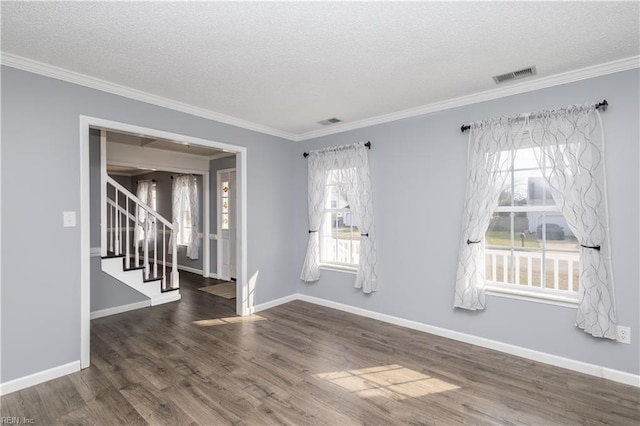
(214, 166)
(417, 165)
(164, 185)
(418, 170)
(40, 313)
(106, 291)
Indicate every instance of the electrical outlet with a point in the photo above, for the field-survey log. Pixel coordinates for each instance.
(623, 334)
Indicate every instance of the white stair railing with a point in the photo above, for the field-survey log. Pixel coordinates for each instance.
(124, 213)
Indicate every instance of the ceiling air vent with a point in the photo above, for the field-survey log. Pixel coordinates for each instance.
(514, 75)
(329, 121)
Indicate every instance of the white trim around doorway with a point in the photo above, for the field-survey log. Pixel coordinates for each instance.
(244, 303)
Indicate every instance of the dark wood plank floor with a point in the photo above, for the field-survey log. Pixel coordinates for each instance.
(194, 362)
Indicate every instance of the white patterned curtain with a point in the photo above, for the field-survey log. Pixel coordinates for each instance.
(185, 209)
(318, 169)
(489, 156)
(144, 192)
(570, 145)
(348, 164)
(360, 200)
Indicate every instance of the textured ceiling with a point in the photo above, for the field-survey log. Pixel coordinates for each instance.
(286, 66)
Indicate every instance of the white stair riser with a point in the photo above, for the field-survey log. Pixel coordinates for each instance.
(134, 279)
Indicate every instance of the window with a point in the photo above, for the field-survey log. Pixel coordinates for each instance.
(339, 233)
(529, 245)
(184, 222)
(225, 205)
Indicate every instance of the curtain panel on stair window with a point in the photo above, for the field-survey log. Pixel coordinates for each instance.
(569, 148)
(350, 163)
(186, 214)
(146, 192)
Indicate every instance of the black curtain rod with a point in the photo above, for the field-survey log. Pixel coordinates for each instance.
(601, 105)
(368, 145)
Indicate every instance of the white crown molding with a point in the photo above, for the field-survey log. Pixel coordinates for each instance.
(47, 70)
(514, 89)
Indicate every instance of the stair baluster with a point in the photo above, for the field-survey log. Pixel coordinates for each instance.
(146, 246)
(121, 216)
(127, 259)
(116, 230)
(137, 236)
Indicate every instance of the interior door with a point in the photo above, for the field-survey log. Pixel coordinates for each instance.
(227, 232)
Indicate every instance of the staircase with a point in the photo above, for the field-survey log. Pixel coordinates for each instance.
(135, 244)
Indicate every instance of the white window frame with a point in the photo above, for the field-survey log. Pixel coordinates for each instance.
(325, 232)
(524, 290)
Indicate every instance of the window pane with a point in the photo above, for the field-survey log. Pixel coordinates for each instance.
(527, 267)
(499, 233)
(333, 177)
(538, 193)
(225, 205)
(225, 221)
(336, 197)
(339, 242)
(525, 159)
(498, 263)
(554, 230)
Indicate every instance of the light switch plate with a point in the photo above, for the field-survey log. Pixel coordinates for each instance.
(68, 219)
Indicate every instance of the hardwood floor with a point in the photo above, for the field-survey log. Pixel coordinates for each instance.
(194, 362)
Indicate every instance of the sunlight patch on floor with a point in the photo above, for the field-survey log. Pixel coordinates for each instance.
(230, 320)
(388, 381)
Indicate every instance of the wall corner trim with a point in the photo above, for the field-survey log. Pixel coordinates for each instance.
(274, 303)
(40, 377)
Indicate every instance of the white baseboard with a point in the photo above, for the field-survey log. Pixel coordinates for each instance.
(40, 377)
(558, 361)
(171, 296)
(119, 309)
(213, 275)
(189, 269)
(273, 303)
(182, 268)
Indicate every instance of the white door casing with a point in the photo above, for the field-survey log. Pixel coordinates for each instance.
(244, 303)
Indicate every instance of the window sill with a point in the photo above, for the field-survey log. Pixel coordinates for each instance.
(339, 268)
(532, 296)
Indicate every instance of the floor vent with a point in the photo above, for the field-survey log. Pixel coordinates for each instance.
(514, 75)
(329, 121)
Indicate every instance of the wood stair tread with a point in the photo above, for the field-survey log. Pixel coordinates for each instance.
(112, 256)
